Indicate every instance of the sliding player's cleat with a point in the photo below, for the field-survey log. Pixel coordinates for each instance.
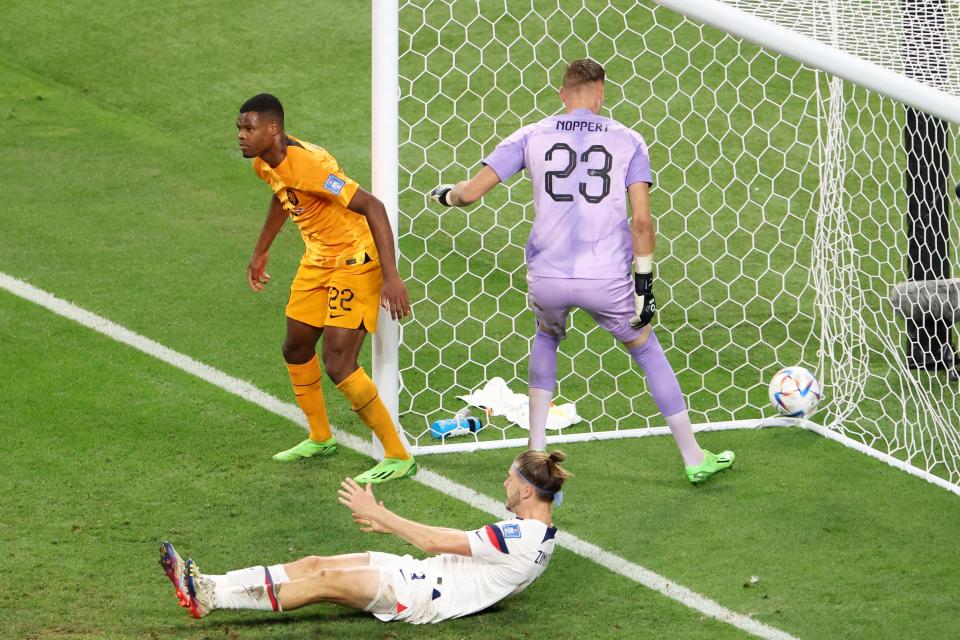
(201, 590)
(711, 465)
(308, 449)
(175, 569)
(388, 469)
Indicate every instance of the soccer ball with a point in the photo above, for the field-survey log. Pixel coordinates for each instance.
(795, 392)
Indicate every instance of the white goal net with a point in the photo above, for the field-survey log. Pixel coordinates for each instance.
(780, 197)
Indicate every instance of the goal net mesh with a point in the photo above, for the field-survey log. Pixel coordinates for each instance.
(779, 200)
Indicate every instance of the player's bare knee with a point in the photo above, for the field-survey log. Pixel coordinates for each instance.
(327, 584)
(314, 564)
(338, 364)
(336, 370)
(297, 353)
(551, 329)
(641, 338)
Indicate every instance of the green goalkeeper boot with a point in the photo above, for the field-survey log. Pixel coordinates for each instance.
(388, 469)
(713, 463)
(308, 449)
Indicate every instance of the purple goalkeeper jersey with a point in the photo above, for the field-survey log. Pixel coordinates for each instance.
(581, 164)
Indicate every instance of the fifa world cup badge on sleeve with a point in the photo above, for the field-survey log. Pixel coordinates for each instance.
(333, 184)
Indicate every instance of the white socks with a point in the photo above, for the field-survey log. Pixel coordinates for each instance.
(259, 597)
(249, 589)
(254, 576)
(539, 409)
(682, 432)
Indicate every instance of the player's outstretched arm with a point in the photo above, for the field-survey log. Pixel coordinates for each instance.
(644, 242)
(393, 296)
(257, 276)
(372, 516)
(466, 192)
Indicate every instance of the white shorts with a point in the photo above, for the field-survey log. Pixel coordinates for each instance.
(406, 590)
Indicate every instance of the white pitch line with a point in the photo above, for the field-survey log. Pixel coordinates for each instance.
(247, 391)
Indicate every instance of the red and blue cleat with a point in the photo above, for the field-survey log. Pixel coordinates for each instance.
(176, 570)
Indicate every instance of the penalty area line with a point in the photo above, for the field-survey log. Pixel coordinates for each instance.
(250, 393)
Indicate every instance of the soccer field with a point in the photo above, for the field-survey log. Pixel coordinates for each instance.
(123, 192)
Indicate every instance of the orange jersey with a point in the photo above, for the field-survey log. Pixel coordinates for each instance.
(315, 193)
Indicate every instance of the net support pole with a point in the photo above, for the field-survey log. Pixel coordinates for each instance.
(385, 163)
(929, 342)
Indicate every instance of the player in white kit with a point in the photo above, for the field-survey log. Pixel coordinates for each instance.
(586, 170)
(472, 571)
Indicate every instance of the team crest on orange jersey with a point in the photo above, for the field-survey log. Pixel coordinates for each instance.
(292, 202)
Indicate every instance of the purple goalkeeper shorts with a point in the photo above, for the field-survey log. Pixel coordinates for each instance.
(609, 302)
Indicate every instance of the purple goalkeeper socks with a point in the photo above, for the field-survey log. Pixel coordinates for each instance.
(542, 369)
(666, 393)
(660, 376)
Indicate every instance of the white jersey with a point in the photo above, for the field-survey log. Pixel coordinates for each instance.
(506, 557)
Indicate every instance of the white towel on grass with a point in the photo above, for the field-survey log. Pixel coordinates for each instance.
(497, 398)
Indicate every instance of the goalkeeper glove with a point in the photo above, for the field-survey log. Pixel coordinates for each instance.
(644, 303)
(439, 194)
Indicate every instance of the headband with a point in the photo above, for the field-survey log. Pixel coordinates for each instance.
(555, 496)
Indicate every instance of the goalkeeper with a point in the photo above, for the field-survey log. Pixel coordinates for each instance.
(474, 569)
(584, 167)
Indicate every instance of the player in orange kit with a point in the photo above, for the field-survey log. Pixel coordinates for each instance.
(348, 269)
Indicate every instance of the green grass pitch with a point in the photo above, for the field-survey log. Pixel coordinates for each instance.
(122, 191)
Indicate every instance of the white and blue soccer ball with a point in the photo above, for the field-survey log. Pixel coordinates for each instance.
(795, 392)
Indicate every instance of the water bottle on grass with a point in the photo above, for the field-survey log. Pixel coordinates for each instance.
(460, 424)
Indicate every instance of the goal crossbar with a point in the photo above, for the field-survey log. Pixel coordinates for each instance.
(820, 56)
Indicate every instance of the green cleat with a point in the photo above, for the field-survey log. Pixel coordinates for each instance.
(713, 463)
(308, 449)
(388, 469)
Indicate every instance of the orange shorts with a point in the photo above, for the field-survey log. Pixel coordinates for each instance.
(345, 297)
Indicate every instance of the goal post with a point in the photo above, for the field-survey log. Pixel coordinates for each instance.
(777, 148)
(384, 168)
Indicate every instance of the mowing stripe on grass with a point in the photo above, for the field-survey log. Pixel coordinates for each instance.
(428, 478)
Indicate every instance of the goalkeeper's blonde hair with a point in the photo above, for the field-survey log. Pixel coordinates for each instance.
(581, 72)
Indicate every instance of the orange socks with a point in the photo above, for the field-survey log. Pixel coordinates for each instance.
(306, 379)
(362, 394)
(364, 399)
